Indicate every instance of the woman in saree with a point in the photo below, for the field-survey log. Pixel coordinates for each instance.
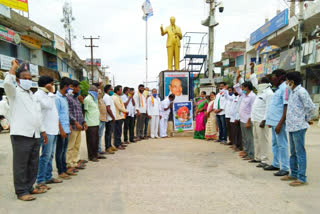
(211, 125)
(201, 108)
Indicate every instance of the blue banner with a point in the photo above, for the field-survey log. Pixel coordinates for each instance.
(278, 22)
(183, 116)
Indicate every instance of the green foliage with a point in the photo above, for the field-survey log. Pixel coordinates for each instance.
(228, 80)
(84, 86)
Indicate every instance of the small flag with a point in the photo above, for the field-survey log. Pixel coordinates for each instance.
(147, 10)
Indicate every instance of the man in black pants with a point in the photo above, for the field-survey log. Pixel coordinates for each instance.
(26, 128)
(128, 126)
(111, 112)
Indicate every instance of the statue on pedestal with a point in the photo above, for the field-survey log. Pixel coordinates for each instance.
(173, 43)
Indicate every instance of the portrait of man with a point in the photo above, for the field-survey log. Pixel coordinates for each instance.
(177, 84)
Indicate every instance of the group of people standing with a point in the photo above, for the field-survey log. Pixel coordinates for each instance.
(53, 120)
(243, 114)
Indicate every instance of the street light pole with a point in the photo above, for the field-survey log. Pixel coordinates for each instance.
(300, 31)
(211, 41)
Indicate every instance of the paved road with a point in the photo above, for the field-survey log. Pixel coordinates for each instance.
(176, 175)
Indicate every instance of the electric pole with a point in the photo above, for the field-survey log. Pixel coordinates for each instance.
(91, 46)
(67, 20)
(300, 31)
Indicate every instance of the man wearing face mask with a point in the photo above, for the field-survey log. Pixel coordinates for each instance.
(141, 110)
(258, 117)
(299, 114)
(92, 118)
(78, 124)
(26, 129)
(276, 117)
(229, 98)
(111, 120)
(154, 105)
(219, 109)
(245, 109)
(64, 127)
(50, 118)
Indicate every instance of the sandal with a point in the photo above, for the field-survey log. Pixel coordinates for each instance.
(43, 186)
(64, 176)
(38, 191)
(54, 181)
(27, 198)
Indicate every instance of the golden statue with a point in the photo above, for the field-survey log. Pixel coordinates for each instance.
(173, 43)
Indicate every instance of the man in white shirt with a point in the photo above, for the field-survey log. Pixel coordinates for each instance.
(166, 106)
(111, 112)
(141, 112)
(26, 128)
(128, 126)
(219, 107)
(258, 117)
(45, 97)
(154, 104)
(229, 97)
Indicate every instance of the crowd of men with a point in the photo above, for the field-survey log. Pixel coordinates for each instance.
(54, 122)
(250, 108)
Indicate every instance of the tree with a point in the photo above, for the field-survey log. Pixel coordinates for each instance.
(84, 86)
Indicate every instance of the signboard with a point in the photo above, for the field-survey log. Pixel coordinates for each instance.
(183, 116)
(9, 35)
(5, 11)
(34, 70)
(96, 62)
(31, 41)
(278, 22)
(261, 45)
(59, 43)
(16, 4)
(177, 83)
(226, 62)
(5, 62)
(271, 66)
(259, 70)
(288, 59)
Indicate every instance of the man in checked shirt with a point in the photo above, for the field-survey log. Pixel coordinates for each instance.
(78, 124)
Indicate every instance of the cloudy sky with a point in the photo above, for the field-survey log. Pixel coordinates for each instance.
(122, 31)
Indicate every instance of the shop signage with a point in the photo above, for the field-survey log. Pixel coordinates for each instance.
(5, 11)
(96, 62)
(278, 22)
(41, 32)
(59, 43)
(5, 62)
(288, 59)
(9, 35)
(31, 41)
(16, 4)
(271, 66)
(226, 62)
(49, 49)
(259, 69)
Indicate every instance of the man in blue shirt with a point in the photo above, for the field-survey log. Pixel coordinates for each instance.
(64, 127)
(300, 109)
(276, 117)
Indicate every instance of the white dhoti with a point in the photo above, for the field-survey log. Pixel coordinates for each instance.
(163, 127)
(154, 128)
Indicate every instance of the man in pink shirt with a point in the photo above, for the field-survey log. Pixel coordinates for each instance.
(248, 98)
